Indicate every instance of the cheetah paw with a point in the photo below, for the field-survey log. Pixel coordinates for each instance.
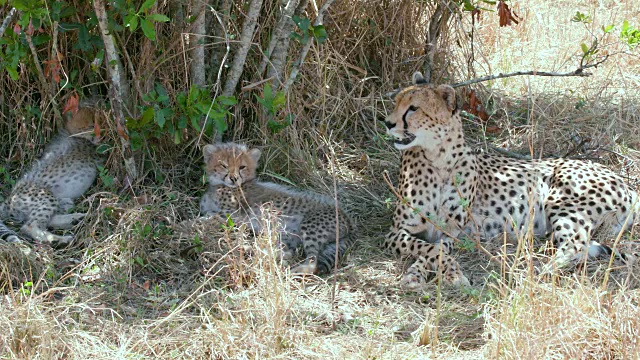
(305, 268)
(412, 281)
(62, 241)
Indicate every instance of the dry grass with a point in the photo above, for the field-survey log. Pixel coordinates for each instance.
(147, 281)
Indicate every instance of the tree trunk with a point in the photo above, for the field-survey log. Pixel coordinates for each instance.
(119, 89)
(197, 69)
(248, 29)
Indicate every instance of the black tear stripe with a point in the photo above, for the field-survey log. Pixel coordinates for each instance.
(404, 117)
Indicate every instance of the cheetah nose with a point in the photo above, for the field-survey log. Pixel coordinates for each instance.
(233, 179)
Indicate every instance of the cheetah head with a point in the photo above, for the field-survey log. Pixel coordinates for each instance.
(230, 164)
(423, 115)
(86, 123)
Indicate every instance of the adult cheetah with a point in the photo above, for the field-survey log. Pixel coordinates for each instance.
(450, 190)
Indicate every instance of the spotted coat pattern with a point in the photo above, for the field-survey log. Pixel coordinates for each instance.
(308, 219)
(450, 191)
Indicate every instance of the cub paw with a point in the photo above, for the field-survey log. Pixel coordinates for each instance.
(308, 267)
(413, 281)
(458, 280)
(61, 241)
(77, 218)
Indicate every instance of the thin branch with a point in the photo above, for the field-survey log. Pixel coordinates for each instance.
(217, 58)
(219, 63)
(578, 72)
(240, 56)
(44, 85)
(7, 20)
(303, 54)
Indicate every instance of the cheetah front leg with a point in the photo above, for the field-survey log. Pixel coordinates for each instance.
(65, 221)
(429, 258)
(36, 233)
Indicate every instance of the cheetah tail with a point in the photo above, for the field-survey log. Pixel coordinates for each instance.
(327, 257)
(7, 234)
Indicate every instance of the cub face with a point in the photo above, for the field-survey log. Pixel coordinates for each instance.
(85, 123)
(230, 164)
(422, 115)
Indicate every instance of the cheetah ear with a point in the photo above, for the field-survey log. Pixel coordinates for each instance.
(255, 154)
(207, 151)
(418, 78)
(449, 96)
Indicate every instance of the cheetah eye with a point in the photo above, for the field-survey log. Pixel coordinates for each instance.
(413, 108)
(224, 166)
(242, 167)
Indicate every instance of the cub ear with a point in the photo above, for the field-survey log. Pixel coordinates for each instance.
(449, 96)
(255, 154)
(207, 151)
(418, 78)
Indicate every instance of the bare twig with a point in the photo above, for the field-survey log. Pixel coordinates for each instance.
(7, 20)
(44, 85)
(578, 72)
(334, 287)
(119, 89)
(217, 57)
(303, 54)
(248, 29)
(218, 63)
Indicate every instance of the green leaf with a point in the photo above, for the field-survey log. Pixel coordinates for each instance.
(320, 33)
(296, 37)
(303, 23)
(159, 118)
(83, 39)
(147, 5)
(148, 30)
(221, 125)
(468, 6)
(158, 17)
(226, 100)
(147, 116)
(12, 72)
(608, 29)
(585, 48)
(132, 20)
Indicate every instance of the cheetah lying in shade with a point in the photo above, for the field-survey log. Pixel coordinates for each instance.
(446, 183)
(66, 170)
(309, 218)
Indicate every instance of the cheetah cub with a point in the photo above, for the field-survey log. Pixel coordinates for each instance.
(66, 170)
(309, 219)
